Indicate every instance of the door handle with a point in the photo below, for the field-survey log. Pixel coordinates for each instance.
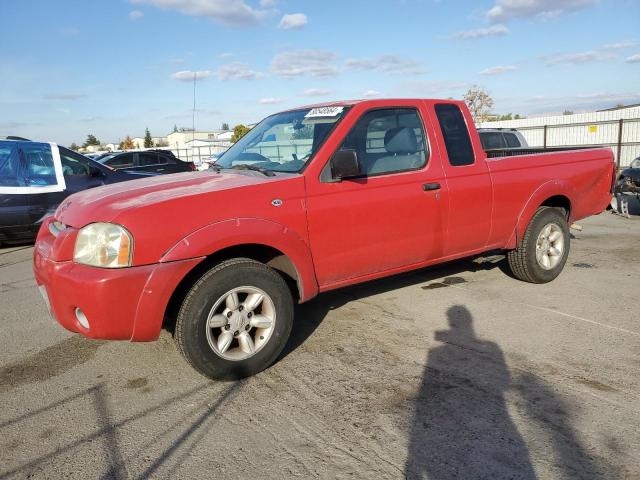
(427, 187)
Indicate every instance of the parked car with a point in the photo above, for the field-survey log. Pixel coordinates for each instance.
(35, 177)
(152, 161)
(373, 188)
(501, 138)
(627, 187)
(209, 161)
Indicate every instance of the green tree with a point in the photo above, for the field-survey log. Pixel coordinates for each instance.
(567, 112)
(225, 126)
(175, 128)
(239, 131)
(91, 140)
(148, 142)
(73, 147)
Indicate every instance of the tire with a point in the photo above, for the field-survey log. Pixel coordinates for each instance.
(200, 344)
(524, 262)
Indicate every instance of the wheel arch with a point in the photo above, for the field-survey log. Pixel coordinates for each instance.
(261, 240)
(555, 194)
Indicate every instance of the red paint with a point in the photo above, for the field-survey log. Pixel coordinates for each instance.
(335, 234)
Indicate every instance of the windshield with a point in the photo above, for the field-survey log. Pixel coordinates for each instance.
(283, 142)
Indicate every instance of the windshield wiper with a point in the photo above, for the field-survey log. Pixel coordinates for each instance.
(248, 166)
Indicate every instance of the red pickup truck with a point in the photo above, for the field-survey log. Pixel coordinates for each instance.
(310, 200)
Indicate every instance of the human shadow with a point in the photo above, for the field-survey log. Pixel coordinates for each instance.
(461, 428)
(551, 415)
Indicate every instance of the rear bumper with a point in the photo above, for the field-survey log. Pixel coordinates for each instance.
(118, 304)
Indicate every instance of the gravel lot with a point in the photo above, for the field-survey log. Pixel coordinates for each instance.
(451, 372)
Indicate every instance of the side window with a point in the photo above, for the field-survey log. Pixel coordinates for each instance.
(10, 165)
(121, 161)
(38, 161)
(148, 159)
(491, 140)
(74, 164)
(455, 133)
(512, 140)
(387, 141)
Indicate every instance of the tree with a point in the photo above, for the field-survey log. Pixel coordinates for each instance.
(148, 142)
(175, 128)
(239, 131)
(479, 102)
(91, 140)
(567, 112)
(225, 127)
(126, 144)
(73, 147)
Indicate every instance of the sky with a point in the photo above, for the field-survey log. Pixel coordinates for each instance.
(115, 67)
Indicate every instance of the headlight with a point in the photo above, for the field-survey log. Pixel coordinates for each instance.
(104, 245)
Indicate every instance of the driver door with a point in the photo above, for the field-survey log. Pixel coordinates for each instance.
(390, 216)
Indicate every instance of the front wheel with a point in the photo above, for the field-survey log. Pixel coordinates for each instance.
(543, 251)
(235, 320)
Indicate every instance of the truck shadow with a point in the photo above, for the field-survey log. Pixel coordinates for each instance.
(310, 315)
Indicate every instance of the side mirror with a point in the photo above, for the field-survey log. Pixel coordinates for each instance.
(344, 164)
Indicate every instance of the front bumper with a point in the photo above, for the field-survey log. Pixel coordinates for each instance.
(118, 304)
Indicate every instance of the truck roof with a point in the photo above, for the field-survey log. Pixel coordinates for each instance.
(376, 101)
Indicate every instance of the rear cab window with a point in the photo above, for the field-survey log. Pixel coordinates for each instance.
(512, 140)
(491, 140)
(456, 135)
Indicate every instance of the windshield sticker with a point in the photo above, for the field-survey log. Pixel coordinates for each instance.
(324, 112)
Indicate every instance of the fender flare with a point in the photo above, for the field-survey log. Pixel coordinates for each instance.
(250, 231)
(545, 191)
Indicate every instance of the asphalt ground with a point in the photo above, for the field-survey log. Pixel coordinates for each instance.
(458, 371)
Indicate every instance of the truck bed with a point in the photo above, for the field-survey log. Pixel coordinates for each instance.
(513, 152)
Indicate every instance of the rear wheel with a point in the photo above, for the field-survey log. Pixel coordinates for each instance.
(543, 251)
(235, 320)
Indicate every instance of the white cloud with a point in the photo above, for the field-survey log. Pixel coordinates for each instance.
(237, 71)
(371, 93)
(505, 10)
(633, 58)
(65, 96)
(135, 15)
(270, 101)
(267, 3)
(187, 75)
(606, 52)
(226, 55)
(296, 63)
(498, 70)
(618, 45)
(577, 58)
(293, 21)
(316, 92)
(232, 12)
(392, 64)
(492, 31)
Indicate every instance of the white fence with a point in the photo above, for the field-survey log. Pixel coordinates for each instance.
(617, 129)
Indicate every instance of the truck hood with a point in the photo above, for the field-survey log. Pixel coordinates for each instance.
(107, 203)
(161, 211)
